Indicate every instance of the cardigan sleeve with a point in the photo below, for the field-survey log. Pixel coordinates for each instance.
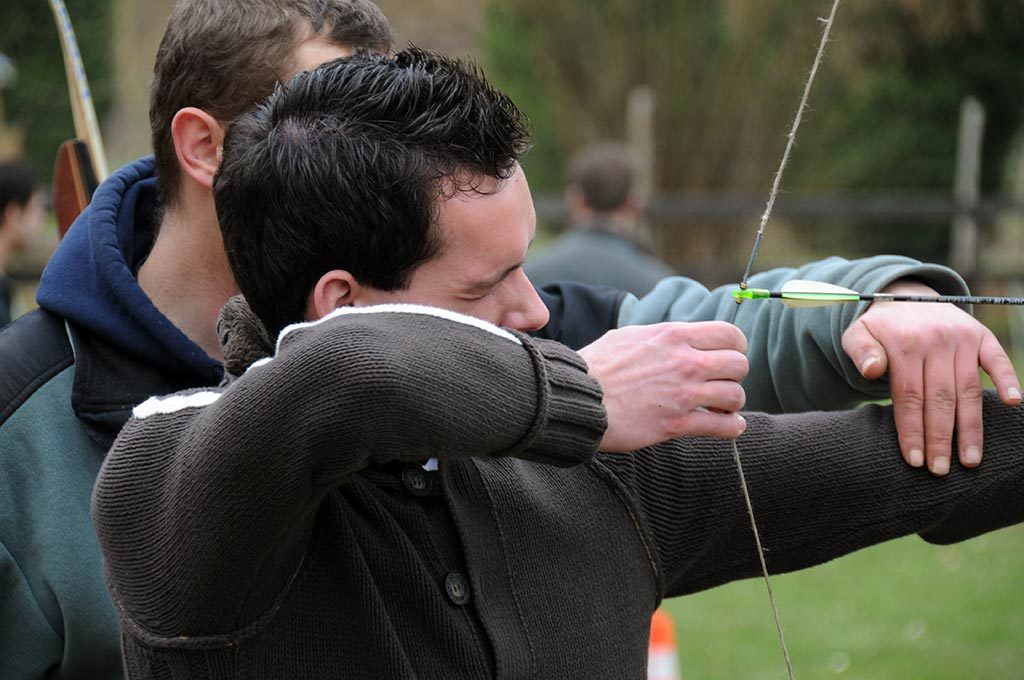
(207, 496)
(821, 484)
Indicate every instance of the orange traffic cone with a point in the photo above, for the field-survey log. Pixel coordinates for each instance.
(662, 655)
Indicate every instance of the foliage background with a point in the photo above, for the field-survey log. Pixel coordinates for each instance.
(38, 103)
(728, 75)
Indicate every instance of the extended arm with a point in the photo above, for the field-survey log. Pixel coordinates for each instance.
(208, 496)
(822, 485)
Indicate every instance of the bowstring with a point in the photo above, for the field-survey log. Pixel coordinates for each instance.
(776, 184)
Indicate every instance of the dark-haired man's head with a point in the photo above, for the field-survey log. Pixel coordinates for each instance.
(376, 179)
(22, 208)
(601, 183)
(218, 58)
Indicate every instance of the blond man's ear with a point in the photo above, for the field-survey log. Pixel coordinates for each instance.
(198, 142)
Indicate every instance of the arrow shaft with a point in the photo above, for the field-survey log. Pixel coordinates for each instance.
(891, 297)
(956, 299)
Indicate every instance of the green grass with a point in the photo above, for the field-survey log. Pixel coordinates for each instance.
(903, 610)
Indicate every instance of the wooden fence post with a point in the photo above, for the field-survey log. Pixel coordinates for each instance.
(640, 108)
(963, 243)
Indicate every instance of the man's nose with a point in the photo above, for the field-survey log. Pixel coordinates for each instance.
(528, 312)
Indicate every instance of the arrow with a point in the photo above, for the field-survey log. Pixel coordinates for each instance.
(797, 293)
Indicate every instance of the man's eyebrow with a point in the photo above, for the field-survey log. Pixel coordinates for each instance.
(491, 282)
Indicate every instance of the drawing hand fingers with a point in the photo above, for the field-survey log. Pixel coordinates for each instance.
(704, 423)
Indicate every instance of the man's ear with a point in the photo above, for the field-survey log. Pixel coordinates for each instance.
(198, 138)
(574, 202)
(634, 202)
(11, 215)
(336, 288)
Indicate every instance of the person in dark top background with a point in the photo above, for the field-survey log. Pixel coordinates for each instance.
(605, 244)
(22, 210)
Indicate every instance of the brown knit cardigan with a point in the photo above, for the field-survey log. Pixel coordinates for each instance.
(285, 527)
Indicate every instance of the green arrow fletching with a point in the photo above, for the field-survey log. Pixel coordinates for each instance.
(752, 294)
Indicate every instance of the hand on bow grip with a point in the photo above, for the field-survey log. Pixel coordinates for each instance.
(668, 380)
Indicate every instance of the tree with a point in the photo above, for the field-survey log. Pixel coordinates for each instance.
(39, 103)
(728, 76)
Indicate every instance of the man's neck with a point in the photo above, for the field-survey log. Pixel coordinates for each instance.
(621, 223)
(187, 275)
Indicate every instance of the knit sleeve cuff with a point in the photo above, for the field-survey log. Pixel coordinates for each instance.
(571, 419)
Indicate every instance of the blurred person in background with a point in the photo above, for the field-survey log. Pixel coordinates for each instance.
(129, 306)
(605, 244)
(22, 211)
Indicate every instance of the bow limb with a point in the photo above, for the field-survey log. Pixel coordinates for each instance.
(81, 163)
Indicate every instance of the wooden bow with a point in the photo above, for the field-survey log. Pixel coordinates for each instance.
(739, 299)
(81, 163)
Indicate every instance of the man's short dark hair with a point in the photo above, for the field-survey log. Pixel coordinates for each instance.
(342, 168)
(17, 184)
(223, 56)
(605, 174)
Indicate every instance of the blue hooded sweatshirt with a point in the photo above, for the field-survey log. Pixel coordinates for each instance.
(91, 278)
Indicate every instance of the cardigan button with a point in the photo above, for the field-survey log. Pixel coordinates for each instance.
(457, 587)
(416, 481)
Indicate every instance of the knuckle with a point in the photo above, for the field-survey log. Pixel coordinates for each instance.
(677, 332)
(943, 398)
(971, 392)
(682, 400)
(944, 332)
(908, 337)
(909, 428)
(910, 398)
(940, 446)
(673, 426)
(691, 364)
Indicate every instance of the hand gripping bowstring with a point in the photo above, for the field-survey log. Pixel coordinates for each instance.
(743, 285)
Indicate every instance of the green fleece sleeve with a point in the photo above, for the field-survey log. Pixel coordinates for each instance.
(797, 362)
(56, 619)
(28, 644)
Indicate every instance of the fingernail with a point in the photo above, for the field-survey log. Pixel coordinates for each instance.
(743, 424)
(940, 466)
(867, 363)
(972, 456)
(1013, 393)
(916, 458)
